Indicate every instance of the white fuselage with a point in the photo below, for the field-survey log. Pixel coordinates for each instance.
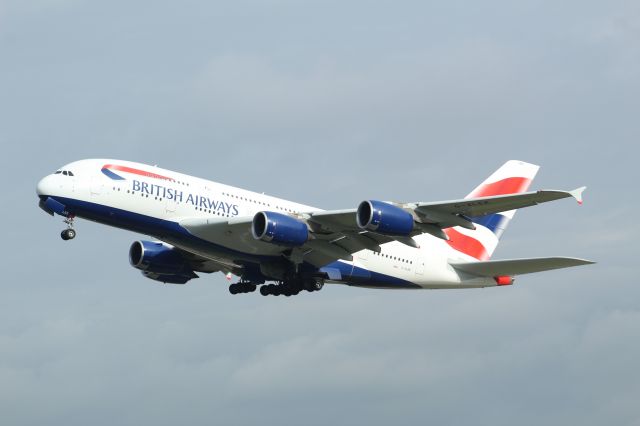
(120, 198)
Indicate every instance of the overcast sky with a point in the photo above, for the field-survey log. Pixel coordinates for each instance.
(326, 103)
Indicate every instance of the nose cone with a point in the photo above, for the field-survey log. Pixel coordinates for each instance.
(45, 186)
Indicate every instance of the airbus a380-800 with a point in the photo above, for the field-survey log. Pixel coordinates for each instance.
(199, 226)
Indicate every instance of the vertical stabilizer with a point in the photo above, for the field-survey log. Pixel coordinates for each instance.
(512, 178)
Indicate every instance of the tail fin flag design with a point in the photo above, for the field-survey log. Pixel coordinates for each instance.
(512, 178)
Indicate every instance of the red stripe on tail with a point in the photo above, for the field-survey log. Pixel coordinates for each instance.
(512, 185)
(466, 244)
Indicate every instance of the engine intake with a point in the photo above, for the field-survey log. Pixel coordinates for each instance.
(384, 218)
(279, 229)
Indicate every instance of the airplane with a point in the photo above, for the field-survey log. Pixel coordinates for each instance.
(282, 247)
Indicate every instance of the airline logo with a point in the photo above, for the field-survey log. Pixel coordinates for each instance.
(202, 202)
(498, 222)
(108, 170)
(513, 178)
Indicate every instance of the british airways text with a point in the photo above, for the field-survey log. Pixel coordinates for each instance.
(180, 197)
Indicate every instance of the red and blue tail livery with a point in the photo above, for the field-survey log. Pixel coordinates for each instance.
(514, 177)
(199, 227)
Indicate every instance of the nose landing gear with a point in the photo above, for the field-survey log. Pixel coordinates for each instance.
(69, 233)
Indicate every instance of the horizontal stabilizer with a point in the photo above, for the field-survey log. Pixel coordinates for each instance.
(495, 268)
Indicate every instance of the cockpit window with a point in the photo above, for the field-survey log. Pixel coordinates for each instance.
(70, 174)
(58, 172)
(64, 172)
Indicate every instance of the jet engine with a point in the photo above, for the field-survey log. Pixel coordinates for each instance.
(384, 218)
(160, 262)
(279, 229)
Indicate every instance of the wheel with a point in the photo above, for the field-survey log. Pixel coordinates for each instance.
(264, 290)
(314, 285)
(233, 289)
(68, 234)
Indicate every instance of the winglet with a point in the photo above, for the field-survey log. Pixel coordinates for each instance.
(577, 194)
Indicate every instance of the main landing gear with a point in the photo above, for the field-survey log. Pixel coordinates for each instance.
(290, 288)
(69, 233)
(242, 287)
(282, 288)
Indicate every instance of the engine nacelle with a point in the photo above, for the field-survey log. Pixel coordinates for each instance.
(384, 218)
(157, 258)
(279, 229)
(170, 278)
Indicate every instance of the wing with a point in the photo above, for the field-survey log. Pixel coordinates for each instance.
(458, 212)
(336, 235)
(341, 227)
(332, 236)
(207, 265)
(494, 268)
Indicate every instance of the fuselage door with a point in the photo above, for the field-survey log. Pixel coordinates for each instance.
(419, 264)
(363, 256)
(171, 205)
(97, 186)
(360, 267)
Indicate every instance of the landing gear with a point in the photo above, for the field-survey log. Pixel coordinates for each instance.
(69, 233)
(314, 285)
(290, 288)
(284, 282)
(278, 290)
(242, 287)
(265, 290)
